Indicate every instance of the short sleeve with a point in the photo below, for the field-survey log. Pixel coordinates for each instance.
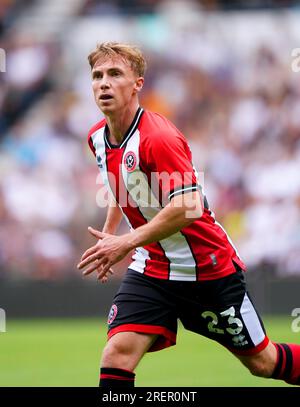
(91, 145)
(93, 130)
(170, 157)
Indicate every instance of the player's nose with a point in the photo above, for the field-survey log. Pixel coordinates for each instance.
(104, 83)
(104, 86)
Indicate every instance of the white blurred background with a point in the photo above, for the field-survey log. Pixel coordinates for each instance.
(221, 71)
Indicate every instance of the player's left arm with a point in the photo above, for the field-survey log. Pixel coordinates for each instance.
(181, 211)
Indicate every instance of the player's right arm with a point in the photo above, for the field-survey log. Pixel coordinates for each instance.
(113, 217)
(114, 214)
(112, 222)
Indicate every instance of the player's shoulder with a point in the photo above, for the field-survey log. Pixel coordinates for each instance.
(95, 128)
(92, 131)
(155, 127)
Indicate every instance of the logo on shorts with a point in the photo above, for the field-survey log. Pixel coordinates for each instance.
(112, 314)
(130, 161)
(238, 340)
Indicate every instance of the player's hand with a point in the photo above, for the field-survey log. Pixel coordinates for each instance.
(109, 250)
(103, 278)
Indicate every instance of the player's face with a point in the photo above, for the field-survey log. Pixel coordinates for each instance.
(115, 84)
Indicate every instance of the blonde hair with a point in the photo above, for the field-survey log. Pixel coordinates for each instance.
(130, 53)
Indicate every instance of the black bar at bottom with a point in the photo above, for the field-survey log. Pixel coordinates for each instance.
(141, 396)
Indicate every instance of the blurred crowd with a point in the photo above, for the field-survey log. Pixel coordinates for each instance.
(225, 80)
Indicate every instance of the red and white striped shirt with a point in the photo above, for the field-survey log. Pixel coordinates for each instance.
(151, 165)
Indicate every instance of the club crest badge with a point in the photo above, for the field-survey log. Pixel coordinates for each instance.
(112, 314)
(130, 161)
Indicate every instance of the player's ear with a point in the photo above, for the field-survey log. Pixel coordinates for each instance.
(139, 82)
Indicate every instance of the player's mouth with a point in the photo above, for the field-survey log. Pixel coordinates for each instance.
(105, 96)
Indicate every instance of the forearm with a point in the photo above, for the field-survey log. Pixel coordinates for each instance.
(174, 217)
(113, 218)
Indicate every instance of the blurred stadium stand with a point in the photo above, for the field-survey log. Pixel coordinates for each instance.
(220, 70)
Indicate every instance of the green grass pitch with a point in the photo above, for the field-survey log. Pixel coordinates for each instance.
(66, 352)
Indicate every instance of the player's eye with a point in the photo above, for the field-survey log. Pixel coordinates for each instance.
(97, 75)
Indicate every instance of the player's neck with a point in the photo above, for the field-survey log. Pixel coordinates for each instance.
(120, 122)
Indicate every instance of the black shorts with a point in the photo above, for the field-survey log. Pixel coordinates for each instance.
(217, 309)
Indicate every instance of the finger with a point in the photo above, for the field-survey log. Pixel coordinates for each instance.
(97, 233)
(102, 268)
(103, 279)
(90, 269)
(90, 251)
(106, 268)
(102, 272)
(89, 260)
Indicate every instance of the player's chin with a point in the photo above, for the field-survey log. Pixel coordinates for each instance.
(105, 109)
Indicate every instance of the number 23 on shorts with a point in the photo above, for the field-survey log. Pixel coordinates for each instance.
(235, 325)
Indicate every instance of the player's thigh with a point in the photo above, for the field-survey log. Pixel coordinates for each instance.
(142, 305)
(125, 349)
(223, 311)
